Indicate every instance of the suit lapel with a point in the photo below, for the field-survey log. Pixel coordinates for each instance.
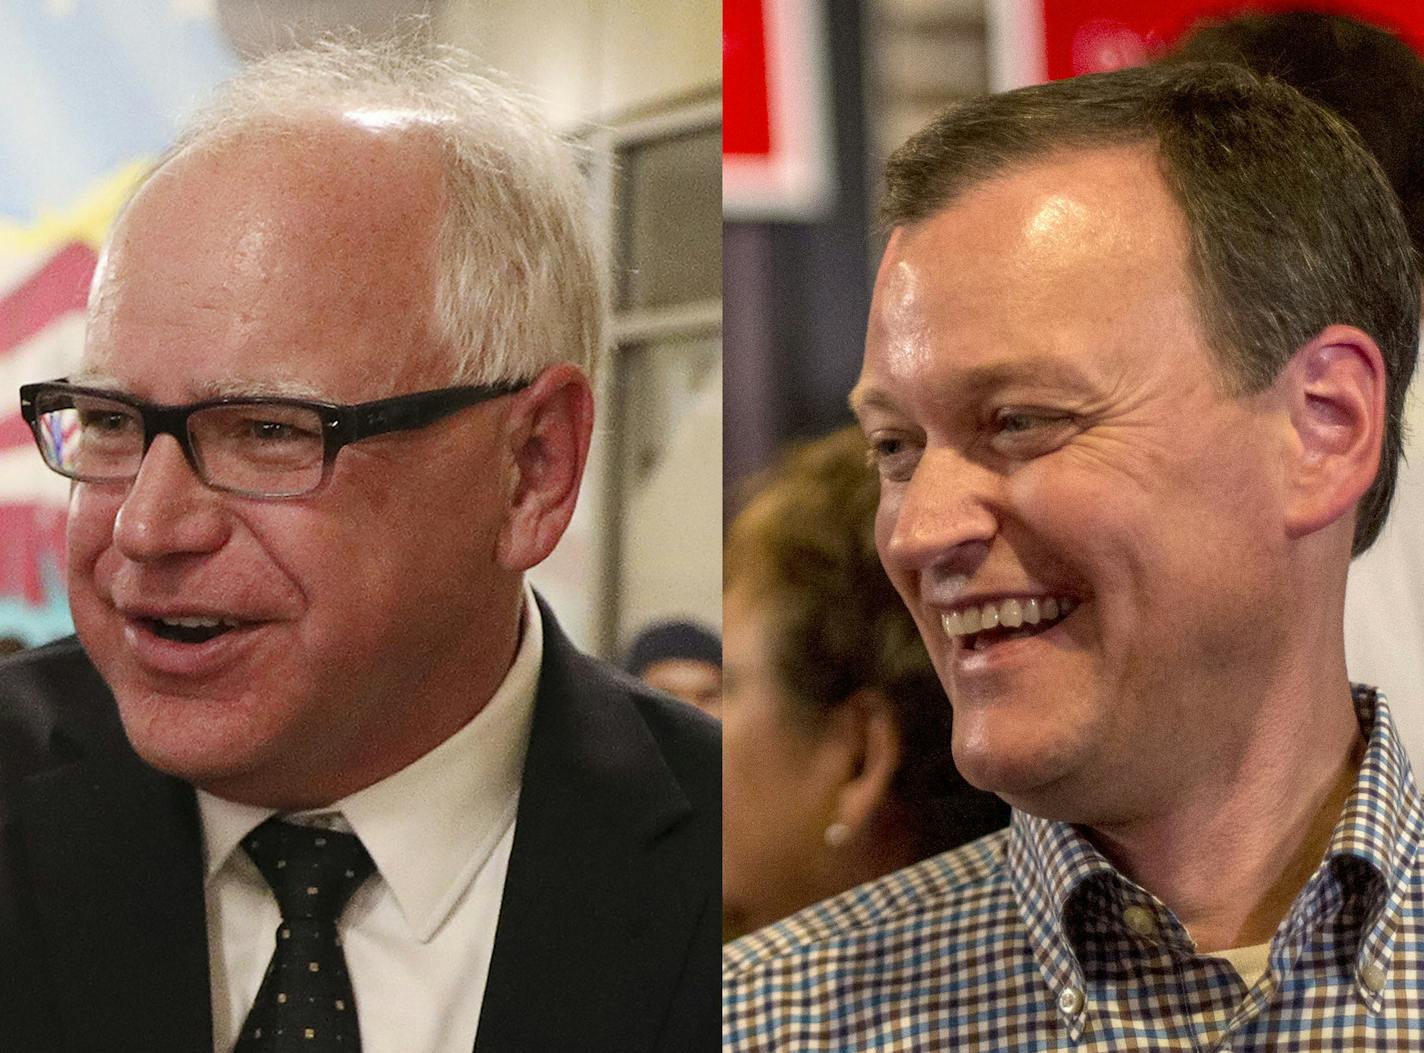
(115, 870)
(595, 920)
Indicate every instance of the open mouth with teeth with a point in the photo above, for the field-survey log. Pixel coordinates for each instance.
(983, 625)
(189, 630)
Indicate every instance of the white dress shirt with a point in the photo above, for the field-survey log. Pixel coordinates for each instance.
(419, 933)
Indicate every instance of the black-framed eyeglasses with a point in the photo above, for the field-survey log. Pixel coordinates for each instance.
(253, 446)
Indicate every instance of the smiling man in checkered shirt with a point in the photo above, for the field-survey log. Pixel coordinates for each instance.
(1133, 382)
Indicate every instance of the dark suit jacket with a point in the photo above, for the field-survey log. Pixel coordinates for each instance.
(608, 933)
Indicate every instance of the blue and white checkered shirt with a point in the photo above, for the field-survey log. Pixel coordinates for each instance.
(1029, 940)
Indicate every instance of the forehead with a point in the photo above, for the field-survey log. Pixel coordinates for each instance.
(1057, 268)
(277, 252)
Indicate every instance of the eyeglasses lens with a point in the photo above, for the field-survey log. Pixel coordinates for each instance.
(249, 447)
(259, 447)
(90, 438)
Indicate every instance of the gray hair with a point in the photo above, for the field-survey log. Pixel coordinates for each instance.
(520, 273)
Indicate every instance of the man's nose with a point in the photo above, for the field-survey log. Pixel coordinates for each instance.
(168, 510)
(944, 517)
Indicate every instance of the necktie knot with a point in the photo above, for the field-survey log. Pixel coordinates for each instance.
(311, 872)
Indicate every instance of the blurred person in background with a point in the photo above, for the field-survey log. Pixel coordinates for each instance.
(836, 767)
(681, 658)
(1375, 82)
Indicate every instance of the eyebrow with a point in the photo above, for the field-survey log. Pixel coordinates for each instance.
(281, 387)
(978, 381)
(863, 398)
(271, 387)
(91, 379)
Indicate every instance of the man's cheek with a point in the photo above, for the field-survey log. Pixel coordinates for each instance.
(88, 538)
(887, 518)
(91, 519)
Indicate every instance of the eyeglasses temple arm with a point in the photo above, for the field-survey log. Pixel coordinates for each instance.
(404, 412)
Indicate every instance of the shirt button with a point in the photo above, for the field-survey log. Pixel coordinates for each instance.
(1372, 976)
(1071, 1000)
(1140, 920)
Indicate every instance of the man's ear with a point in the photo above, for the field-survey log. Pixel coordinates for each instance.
(548, 430)
(865, 729)
(1335, 392)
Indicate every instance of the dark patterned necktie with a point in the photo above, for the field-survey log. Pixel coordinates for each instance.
(305, 1002)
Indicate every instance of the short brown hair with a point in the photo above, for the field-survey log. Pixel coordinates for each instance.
(1311, 51)
(1291, 225)
(803, 546)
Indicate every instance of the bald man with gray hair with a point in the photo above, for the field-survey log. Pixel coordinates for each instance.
(320, 770)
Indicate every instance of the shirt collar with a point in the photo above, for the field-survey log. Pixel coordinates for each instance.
(431, 826)
(1057, 871)
(1048, 863)
(1370, 856)
(1384, 804)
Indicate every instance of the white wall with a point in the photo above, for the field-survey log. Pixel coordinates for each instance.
(598, 63)
(592, 60)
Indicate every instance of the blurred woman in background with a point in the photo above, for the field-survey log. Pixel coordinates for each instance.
(836, 756)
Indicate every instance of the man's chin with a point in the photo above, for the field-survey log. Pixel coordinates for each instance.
(1037, 779)
(198, 740)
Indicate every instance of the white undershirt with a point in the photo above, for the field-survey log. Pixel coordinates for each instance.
(1250, 963)
(418, 934)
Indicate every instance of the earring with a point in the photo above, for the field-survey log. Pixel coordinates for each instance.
(837, 834)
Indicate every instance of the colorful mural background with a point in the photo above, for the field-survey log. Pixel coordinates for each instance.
(90, 92)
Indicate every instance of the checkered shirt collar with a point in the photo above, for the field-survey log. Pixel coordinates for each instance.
(1066, 888)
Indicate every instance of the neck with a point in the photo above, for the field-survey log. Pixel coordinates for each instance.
(1233, 852)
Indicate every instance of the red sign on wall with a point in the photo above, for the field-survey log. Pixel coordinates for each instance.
(746, 112)
(776, 143)
(1036, 40)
